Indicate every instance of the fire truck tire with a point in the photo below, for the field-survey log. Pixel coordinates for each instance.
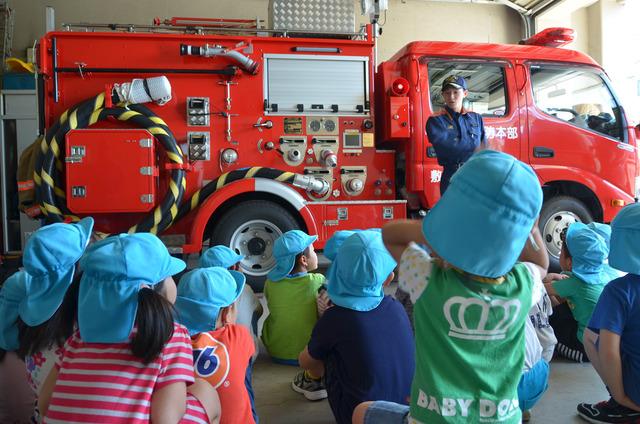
(250, 228)
(558, 213)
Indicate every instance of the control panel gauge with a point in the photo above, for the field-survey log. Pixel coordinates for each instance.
(329, 126)
(315, 125)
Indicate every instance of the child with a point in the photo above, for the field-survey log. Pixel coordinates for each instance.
(582, 258)
(47, 311)
(539, 316)
(128, 362)
(472, 300)
(363, 345)
(222, 349)
(612, 338)
(291, 291)
(540, 343)
(17, 399)
(248, 307)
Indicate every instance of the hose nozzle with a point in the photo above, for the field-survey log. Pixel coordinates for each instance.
(245, 62)
(316, 185)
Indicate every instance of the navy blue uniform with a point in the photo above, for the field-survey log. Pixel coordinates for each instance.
(367, 355)
(454, 136)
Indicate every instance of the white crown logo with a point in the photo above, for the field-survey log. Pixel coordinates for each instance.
(473, 321)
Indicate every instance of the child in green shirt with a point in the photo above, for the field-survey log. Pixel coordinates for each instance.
(582, 259)
(291, 291)
(472, 298)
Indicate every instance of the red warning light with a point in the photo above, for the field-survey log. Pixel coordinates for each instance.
(400, 87)
(551, 37)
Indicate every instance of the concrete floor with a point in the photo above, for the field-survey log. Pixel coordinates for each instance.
(277, 403)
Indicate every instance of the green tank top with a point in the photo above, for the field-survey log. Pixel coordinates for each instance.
(470, 348)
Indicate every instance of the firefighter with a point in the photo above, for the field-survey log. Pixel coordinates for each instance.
(455, 133)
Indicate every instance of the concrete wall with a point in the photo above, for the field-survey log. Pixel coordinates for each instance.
(410, 20)
(594, 23)
(406, 20)
(620, 53)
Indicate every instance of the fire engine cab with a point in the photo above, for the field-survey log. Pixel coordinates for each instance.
(211, 131)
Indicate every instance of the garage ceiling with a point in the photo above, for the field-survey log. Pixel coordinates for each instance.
(529, 7)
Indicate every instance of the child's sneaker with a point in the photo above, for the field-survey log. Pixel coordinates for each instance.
(311, 389)
(608, 411)
(526, 416)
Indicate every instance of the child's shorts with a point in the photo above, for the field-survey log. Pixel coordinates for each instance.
(384, 412)
(195, 413)
(533, 384)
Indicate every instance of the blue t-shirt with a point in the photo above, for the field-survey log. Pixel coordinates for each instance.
(367, 355)
(618, 311)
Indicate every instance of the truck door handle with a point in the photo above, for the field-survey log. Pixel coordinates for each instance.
(543, 152)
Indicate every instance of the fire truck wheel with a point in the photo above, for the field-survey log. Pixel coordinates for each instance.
(250, 228)
(557, 214)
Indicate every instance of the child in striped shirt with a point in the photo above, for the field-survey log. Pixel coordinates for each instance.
(128, 362)
(40, 303)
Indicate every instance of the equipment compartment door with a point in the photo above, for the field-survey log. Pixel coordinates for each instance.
(110, 171)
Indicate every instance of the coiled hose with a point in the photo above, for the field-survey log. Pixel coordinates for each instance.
(49, 162)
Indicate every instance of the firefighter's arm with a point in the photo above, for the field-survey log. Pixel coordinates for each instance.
(483, 135)
(609, 353)
(433, 135)
(535, 252)
(309, 363)
(397, 235)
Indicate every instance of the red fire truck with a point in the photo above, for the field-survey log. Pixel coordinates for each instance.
(248, 132)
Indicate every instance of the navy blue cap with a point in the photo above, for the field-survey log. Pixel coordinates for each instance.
(454, 81)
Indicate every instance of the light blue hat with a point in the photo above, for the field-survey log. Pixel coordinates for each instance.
(285, 250)
(483, 220)
(50, 257)
(625, 240)
(356, 275)
(332, 245)
(604, 231)
(219, 256)
(202, 293)
(114, 270)
(12, 294)
(588, 253)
